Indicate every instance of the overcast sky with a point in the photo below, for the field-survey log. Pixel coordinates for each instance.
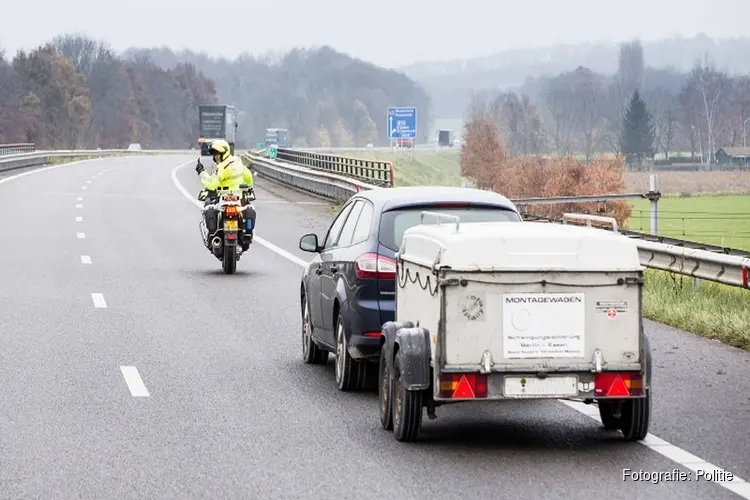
(387, 32)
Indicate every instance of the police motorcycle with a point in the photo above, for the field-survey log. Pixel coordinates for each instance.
(227, 224)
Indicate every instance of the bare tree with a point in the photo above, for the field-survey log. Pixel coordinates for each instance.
(560, 121)
(706, 89)
(664, 107)
(588, 98)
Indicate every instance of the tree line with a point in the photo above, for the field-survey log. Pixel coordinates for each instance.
(582, 112)
(323, 97)
(75, 93)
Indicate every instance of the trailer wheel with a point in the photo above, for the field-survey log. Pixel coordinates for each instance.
(607, 414)
(636, 413)
(385, 393)
(407, 408)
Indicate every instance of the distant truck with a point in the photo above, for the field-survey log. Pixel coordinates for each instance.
(277, 136)
(216, 122)
(445, 138)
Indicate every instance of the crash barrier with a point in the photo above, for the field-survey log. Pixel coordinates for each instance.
(375, 172)
(40, 158)
(688, 258)
(10, 149)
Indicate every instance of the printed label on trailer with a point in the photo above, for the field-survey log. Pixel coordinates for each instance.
(606, 306)
(544, 325)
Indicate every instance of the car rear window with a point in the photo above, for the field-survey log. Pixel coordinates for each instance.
(394, 223)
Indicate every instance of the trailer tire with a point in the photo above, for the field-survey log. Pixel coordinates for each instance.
(407, 407)
(385, 392)
(636, 413)
(607, 415)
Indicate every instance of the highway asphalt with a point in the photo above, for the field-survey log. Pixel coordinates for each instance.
(190, 383)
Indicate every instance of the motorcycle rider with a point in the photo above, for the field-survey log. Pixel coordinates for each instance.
(230, 173)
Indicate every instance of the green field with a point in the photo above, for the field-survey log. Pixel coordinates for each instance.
(718, 220)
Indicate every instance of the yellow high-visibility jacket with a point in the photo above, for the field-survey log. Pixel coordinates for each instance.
(230, 173)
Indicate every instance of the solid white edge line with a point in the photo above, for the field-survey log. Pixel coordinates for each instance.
(682, 457)
(134, 381)
(79, 219)
(197, 203)
(80, 236)
(85, 259)
(99, 301)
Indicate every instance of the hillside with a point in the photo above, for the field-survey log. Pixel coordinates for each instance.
(322, 96)
(450, 83)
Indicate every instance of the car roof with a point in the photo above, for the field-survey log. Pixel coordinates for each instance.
(398, 197)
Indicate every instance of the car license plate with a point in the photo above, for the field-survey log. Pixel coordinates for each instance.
(533, 387)
(230, 225)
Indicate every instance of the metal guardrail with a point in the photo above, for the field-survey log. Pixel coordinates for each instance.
(702, 261)
(376, 172)
(9, 149)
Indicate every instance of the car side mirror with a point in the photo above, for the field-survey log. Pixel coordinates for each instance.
(309, 243)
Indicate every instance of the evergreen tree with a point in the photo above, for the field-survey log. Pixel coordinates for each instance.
(638, 136)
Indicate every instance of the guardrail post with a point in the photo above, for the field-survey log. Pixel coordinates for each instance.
(653, 196)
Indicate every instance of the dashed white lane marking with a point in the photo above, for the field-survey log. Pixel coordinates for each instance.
(682, 457)
(79, 219)
(83, 187)
(88, 182)
(85, 259)
(80, 236)
(78, 205)
(80, 198)
(265, 243)
(135, 382)
(99, 301)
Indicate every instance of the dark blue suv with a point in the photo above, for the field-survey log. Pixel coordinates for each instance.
(348, 290)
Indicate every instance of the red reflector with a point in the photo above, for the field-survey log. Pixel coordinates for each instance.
(463, 386)
(372, 335)
(463, 389)
(231, 236)
(745, 278)
(618, 388)
(618, 384)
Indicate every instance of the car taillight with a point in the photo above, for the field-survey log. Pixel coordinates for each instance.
(463, 385)
(618, 384)
(372, 265)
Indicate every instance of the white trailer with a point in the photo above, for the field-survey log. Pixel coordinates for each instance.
(501, 311)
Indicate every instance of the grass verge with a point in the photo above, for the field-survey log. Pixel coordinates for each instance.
(714, 311)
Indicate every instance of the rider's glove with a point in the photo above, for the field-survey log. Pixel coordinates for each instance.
(199, 168)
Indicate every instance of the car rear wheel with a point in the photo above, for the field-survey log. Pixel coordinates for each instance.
(311, 353)
(350, 373)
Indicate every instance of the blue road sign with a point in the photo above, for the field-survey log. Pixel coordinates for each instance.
(402, 123)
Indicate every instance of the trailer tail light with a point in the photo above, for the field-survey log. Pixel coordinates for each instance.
(372, 265)
(372, 335)
(745, 277)
(618, 384)
(463, 386)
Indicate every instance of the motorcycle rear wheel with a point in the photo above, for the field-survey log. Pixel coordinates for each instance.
(229, 261)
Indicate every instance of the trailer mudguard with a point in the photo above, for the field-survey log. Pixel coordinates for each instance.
(413, 346)
(388, 338)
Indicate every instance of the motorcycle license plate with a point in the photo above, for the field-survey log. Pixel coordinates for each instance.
(231, 225)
